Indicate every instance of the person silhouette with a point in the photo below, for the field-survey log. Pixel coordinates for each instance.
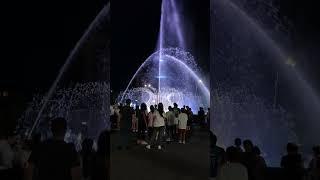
(55, 159)
(217, 156)
(292, 163)
(127, 113)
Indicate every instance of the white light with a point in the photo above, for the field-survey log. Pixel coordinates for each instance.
(145, 85)
(5, 93)
(149, 85)
(200, 81)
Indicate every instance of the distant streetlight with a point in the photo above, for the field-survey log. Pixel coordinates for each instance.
(149, 85)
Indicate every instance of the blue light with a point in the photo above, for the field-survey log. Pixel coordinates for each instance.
(161, 77)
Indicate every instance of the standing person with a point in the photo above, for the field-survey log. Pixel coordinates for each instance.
(190, 122)
(170, 121)
(248, 157)
(176, 112)
(135, 119)
(217, 156)
(292, 164)
(237, 144)
(233, 169)
(182, 125)
(201, 116)
(87, 158)
(142, 124)
(150, 121)
(260, 166)
(126, 116)
(314, 165)
(158, 128)
(117, 116)
(21, 156)
(101, 160)
(55, 159)
(6, 155)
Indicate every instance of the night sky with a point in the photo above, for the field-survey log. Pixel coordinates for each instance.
(39, 35)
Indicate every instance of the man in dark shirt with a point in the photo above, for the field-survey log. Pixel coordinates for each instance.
(292, 163)
(217, 156)
(248, 158)
(54, 159)
(126, 115)
(201, 116)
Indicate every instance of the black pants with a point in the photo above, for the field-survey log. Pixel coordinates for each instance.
(157, 136)
(141, 131)
(150, 130)
(171, 131)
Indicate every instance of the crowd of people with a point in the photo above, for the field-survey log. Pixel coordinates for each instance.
(53, 158)
(243, 161)
(154, 127)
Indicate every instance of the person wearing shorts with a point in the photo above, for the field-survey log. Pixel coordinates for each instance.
(182, 125)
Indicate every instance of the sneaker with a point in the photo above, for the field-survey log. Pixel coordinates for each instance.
(183, 142)
(143, 143)
(148, 147)
(180, 142)
(159, 147)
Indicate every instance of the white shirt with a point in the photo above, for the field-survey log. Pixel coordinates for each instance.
(6, 155)
(170, 118)
(158, 120)
(233, 171)
(183, 119)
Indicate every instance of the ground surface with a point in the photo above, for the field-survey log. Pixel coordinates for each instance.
(175, 162)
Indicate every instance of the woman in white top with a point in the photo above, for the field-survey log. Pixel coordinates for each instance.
(158, 128)
(182, 125)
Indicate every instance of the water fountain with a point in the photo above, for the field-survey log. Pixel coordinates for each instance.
(177, 78)
(170, 74)
(85, 105)
(249, 43)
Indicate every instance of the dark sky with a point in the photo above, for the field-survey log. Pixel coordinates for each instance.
(305, 18)
(38, 36)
